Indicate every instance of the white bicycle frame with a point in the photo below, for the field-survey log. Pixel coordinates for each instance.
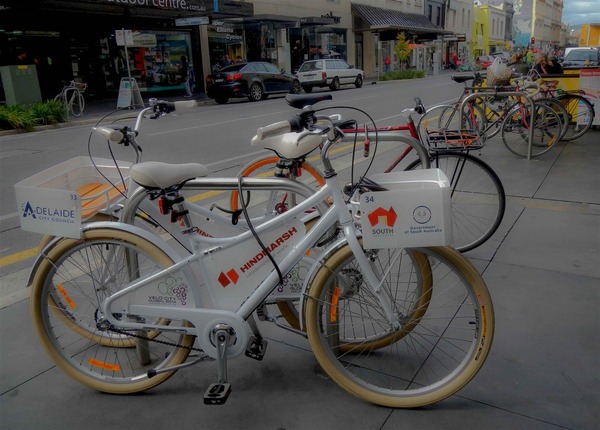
(134, 298)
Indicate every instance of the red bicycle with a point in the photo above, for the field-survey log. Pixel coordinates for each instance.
(478, 198)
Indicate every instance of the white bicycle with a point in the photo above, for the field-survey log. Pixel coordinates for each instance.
(120, 311)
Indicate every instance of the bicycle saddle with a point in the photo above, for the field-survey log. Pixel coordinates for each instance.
(462, 78)
(299, 101)
(157, 175)
(290, 145)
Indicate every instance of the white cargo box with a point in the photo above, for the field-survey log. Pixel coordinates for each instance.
(56, 200)
(416, 211)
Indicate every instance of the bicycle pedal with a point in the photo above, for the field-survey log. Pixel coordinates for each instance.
(256, 348)
(217, 393)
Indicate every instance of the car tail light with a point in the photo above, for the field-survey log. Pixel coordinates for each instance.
(235, 77)
(323, 75)
(209, 80)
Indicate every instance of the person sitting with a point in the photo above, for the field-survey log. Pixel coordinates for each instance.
(545, 66)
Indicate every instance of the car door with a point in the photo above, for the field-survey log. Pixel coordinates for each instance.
(278, 82)
(348, 73)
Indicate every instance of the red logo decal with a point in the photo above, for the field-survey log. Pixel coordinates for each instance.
(226, 279)
(381, 216)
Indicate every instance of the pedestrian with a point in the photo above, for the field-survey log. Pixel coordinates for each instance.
(530, 57)
(185, 78)
(226, 61)
(386, 63)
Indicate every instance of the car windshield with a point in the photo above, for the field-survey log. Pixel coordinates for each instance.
(582, 55)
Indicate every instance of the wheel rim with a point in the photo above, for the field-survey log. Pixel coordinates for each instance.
(256, 92)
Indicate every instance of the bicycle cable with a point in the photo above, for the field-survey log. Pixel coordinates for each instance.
(356, 184)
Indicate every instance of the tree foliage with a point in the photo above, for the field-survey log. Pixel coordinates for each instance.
(402, 49)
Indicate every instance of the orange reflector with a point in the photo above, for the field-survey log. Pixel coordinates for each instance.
(66, 296)
(335, 298)
(107, 366)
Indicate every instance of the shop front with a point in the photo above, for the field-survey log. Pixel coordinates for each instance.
(284, 41)
(76, 40)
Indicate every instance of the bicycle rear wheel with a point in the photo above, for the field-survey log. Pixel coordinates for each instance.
(439, 350)
(517, 124)
(66, 297)
(477, 197)
(580, 113)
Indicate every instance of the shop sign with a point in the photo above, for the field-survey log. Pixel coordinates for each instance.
(145, 40)
(196, 20)
(177, 5)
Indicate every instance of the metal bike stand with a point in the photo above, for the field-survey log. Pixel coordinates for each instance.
(504, 93)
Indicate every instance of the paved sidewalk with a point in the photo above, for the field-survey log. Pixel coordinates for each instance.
(543, 271)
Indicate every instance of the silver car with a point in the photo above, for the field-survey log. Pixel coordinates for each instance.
(331, 73)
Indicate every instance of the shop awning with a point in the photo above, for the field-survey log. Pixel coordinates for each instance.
(379, 19)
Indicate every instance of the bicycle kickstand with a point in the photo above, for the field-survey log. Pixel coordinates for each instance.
(222, 336)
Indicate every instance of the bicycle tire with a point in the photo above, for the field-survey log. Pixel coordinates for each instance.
(264, 167)
(65, 301)
(76, 103)
(441, 118)
(438, 356)
(580, 113)
(546, 130)
(477, 197)
(557, 107)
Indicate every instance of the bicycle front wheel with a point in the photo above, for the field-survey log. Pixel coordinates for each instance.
(477, 197)
(262, 202)
(440, 349)
(66, 297)
(517, 125)
(76, 103)
(446, 117)
(580, 113)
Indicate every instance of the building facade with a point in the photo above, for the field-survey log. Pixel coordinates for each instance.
(79, 39)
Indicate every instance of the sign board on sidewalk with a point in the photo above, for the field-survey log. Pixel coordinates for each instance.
(129, 94)
(124, 37)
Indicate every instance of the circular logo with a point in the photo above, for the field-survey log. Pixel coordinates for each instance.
(422, 214)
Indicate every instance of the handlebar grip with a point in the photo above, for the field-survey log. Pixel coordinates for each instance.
(185, 104)
(109, 133)
(275, 129)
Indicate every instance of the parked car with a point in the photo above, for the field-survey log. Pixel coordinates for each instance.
(582, 57)
(484, 61)
(330, 73)
(255, 80)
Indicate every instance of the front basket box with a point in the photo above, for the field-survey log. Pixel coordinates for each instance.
(416, 211)
(56, 200)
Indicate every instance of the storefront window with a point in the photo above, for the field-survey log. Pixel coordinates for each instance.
(225, 44)
(154, 60)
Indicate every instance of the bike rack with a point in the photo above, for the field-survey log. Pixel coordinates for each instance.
(503, 93)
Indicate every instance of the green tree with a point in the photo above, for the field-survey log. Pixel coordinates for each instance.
(402, 50)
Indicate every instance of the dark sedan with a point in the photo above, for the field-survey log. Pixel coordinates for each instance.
(255, 80)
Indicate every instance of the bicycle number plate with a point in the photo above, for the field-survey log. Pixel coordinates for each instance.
(44, 210)
(415, 212)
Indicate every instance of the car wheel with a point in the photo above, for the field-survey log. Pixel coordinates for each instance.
(335, 84)
(221, 100)
(358, 82)
(307, 89)
(256, 92)
(296, 87)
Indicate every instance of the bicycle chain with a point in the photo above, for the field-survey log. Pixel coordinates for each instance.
(163, 342)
